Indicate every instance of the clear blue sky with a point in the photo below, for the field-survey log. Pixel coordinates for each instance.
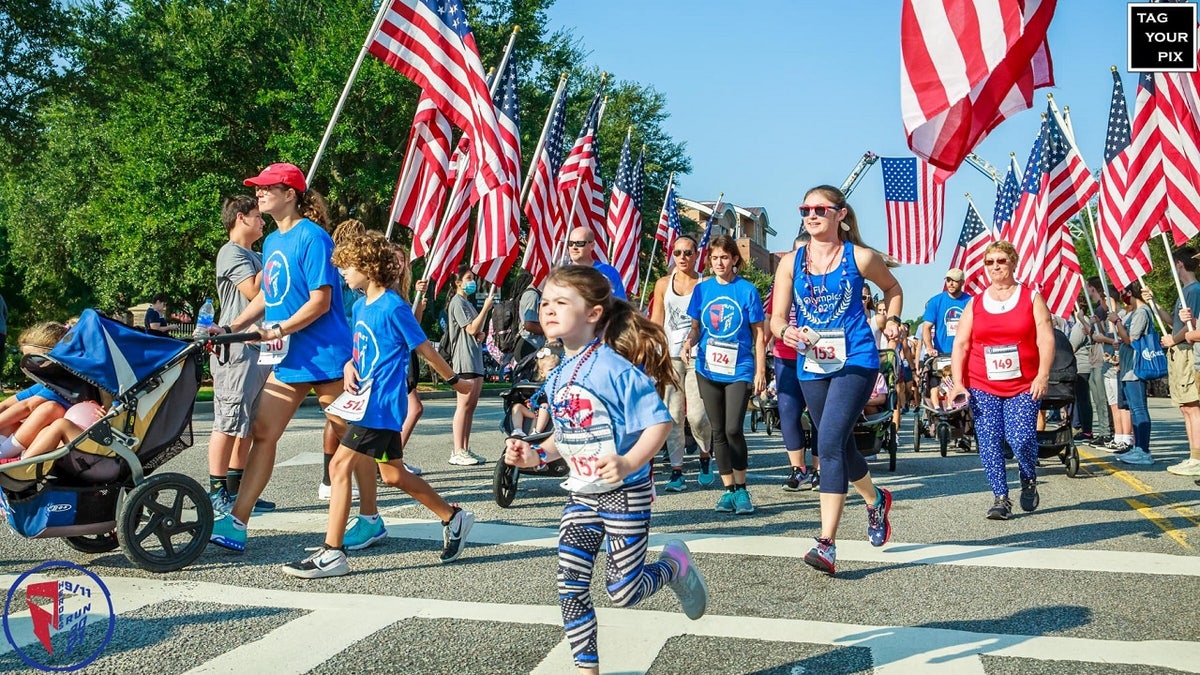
(776, 96)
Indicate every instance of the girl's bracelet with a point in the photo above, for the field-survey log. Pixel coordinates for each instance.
(541, 457)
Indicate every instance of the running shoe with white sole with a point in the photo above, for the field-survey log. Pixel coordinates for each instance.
(324, 562)
(325, 493)
(822, 556)
(228, 532)
(464, 457)
(454, 534)
(364, 534)
(1188, 467)
(879, 528)
(689, 586)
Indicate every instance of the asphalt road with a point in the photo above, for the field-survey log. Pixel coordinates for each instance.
(1103, 577)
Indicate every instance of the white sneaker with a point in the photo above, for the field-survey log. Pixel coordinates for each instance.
(1188, 467)
(325, 492)
(325, 562)
(1136, 455)
(464, 457)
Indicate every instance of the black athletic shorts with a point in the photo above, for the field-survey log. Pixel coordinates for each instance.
(382, 444)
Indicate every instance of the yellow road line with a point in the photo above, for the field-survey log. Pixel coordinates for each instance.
(1148, 491)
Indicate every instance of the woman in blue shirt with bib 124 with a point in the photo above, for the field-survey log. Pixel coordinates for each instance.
(731, 365)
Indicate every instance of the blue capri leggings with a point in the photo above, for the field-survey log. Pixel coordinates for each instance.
(1012, 419)
(843, 396)
(791, 403)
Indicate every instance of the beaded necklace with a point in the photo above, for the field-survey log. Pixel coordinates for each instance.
(579, 359)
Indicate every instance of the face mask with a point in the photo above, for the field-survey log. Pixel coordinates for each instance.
(469, 287)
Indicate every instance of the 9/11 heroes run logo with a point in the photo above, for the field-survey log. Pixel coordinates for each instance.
(57, 610)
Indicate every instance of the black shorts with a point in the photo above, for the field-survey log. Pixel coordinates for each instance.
(381, 444)
(414, 371)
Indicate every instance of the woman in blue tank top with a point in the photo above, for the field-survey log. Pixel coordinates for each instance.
(837, 359)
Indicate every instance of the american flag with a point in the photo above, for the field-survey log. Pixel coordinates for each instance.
(1114, 202)
(1064, 282)
(451, 242)
(1007, 195)
(421, 188)
(580, 188)
(1069, 187)
(968, 254)
(914, 209)
(967, 65)
(669, 227)
(430, 42)
(702, 246)
(1030, 213)
(625, 217)
(1164, 155)
(500, 209)
(541, 205)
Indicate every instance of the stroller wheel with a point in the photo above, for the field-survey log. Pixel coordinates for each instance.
(504, 483)
(891, 446)
(164, 522)
(94, 543)
(753, 421)
(1072, 461)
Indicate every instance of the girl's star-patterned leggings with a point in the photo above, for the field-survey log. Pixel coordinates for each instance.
(1012, 419)
(624, 516)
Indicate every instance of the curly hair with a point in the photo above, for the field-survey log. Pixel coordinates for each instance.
(348, 229)
(370, 254)
(42, 335)
(630, 334)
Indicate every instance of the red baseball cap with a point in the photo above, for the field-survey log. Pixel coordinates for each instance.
(282, 172)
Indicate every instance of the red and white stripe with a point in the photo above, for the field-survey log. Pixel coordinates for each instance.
(966, 66)
(1069, 187)
(496, 248)
(1063, 283)
(1122, 269)
(624, 224)
(451, 242)
(915, 228)
(421, 188)
(416, 41)
(580, 190)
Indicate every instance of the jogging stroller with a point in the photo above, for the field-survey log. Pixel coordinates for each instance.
(947, 421)
(1058, 405)
(505, 477)
(96, 492)
(875, 431)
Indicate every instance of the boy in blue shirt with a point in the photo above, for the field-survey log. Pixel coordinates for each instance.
(375, 403)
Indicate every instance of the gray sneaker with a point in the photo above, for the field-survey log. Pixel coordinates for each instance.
(1136, 455)
(454, 534)
(324, 562)
(689, 585)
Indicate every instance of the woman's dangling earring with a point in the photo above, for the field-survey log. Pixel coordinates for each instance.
(845, 226)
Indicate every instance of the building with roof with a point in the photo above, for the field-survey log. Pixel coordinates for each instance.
(748, 225)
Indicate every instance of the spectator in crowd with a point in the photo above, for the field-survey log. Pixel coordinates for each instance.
(156, 316)
(1079, 332)
(1103, 381)
(1132, 394)
(1181, 357)
(468, 328)
(581, 247)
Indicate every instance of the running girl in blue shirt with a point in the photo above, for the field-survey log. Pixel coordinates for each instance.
(375, 403)
(609, 422)
(306, 337)
(838, 361)
(731, 365)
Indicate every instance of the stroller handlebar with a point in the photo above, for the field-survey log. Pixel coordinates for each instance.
(229, 338)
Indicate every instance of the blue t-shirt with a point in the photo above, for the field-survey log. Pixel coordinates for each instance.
(943, 312)
(296, 263)
(833, 302)
(43, 391)
(725, 312)
(604, 401)
(614, 278)
(385, 334)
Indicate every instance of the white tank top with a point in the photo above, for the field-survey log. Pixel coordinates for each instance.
(677, 323)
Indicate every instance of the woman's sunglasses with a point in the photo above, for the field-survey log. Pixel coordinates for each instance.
(818, 211)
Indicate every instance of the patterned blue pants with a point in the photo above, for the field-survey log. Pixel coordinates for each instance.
(624, 516)
(1012, 419)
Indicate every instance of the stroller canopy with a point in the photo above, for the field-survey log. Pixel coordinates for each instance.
(110, 354)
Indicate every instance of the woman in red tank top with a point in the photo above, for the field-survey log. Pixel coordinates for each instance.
(1001, 360)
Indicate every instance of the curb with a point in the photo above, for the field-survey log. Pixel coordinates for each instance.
(206, 407)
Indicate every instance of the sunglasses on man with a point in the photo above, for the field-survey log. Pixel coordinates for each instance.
(575, 243)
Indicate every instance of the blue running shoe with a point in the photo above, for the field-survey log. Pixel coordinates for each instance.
(726, 504)
(221, 502)
(676, 484)
(706, 476)
(260, 505)
(879, 530)
(363, 533)
(741, 502)
(229, 533)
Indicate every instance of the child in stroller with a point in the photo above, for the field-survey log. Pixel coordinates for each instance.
(521, 400)
(938, 416)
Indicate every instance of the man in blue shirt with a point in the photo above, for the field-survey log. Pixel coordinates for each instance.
(581, 247)
(942, 313)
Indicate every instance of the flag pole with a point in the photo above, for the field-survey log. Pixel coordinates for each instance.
(337, 110)
(654, 247)
(558, 253)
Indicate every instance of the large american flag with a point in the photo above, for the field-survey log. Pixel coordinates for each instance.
(580, 188)
(625, 217)
(1064, 282)
(451, 242)
(1123, 269)
(702, 245)
(968, 254)
(1069, 187)
(541, 205)
(914, 208)
(1027, 235)
(965, 66)
(500, 209)
(669, 226)
(1164, 155)
(430, 42)
(421, 188)
(1007, 195)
